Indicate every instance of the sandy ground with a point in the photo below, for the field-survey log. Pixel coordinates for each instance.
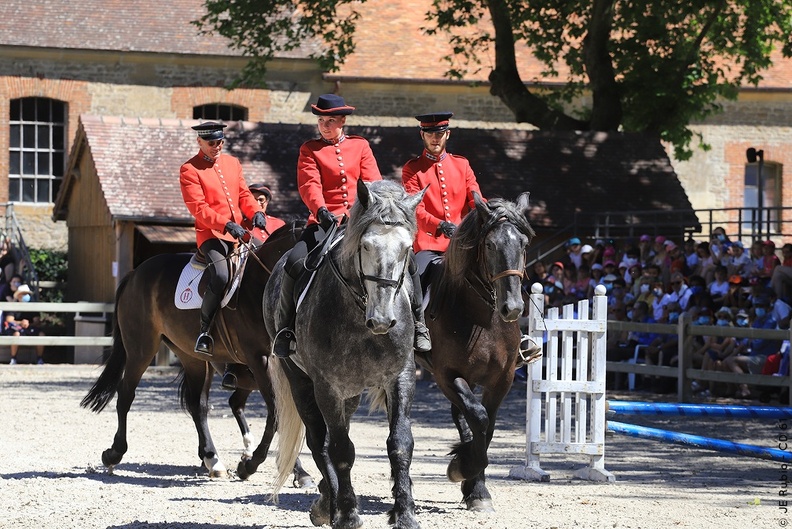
(53, 476)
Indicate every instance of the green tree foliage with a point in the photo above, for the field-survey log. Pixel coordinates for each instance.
(650, 66)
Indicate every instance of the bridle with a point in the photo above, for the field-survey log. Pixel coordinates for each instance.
(362, 298)
(491, 278)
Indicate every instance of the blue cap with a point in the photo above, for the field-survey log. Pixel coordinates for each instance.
(573, 240)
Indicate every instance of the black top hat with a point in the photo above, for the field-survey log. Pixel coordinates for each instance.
(434, 122)
(331, 105)
(261, 188)
(210, 130)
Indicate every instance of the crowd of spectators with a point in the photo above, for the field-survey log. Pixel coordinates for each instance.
(14, 289)
(657, 280)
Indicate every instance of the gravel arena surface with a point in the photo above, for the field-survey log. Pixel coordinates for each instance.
(53, 476)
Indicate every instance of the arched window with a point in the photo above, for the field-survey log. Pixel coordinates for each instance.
(37, 149)
(220, 111)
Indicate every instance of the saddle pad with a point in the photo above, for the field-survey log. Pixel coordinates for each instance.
(187, 295)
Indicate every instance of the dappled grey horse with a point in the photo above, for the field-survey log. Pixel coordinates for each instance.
(354, 332)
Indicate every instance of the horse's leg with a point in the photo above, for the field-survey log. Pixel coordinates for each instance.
(198, 379)
(138, 358)
(470, 455)
(400, 449)
(341, 453)
(302, 388)
(302, 479)
(249, 465)
(474, 489)
(237, 402)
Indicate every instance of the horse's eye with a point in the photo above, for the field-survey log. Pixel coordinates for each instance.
(366, 247)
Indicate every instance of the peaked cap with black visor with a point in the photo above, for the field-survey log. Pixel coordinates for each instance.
(436, 122)
(210, 130)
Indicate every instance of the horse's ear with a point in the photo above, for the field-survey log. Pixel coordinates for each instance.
(523, 203)
(412, 201)
(363, 195)
(481, 206)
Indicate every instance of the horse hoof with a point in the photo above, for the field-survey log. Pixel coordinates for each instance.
(480, 505)
(454, 471)
(111, 458)
(304, 482)
(350, 521)
(319, 513)
(242, 471)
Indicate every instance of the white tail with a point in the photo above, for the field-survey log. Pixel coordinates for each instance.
(291, 432)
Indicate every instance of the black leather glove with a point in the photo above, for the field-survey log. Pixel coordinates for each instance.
(447, 228)
(235, 230)
(259, 220)
(325, 218)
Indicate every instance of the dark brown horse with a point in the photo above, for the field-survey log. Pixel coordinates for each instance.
(145, 316)
(472, 317)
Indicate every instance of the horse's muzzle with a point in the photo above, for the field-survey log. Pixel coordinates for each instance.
(379, 326)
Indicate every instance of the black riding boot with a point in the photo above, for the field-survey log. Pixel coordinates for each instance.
(421, 342)
(204, 344)
(285, 343)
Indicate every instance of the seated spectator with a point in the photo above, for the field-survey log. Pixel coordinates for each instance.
(580, 288)
(735, 295)
(23, 324)
(718, 243)
(751, 359)
(737, 261)
(719, 287)
(679, 292)
(780, 309)
(596, 278)
(557, 276)
(706, 265)
(769, 262)
(574, 256)
(8, 289)
(691, 257)
(645, 252)
(664, 349)
(618, 300)
(781, 279)
(697, 346)
(675, 260)
(718, 349)
(538, 273)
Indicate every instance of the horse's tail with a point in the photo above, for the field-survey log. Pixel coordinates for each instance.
(184, 390)
(106, 385)
(377, 400)
(290, 427)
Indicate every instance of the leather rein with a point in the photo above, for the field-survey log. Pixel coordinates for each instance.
(487, 286)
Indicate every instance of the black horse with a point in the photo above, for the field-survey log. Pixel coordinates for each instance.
(145, 316)
(472, 317)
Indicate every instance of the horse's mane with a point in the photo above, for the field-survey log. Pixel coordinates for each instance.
(462, 253)
(386, 205)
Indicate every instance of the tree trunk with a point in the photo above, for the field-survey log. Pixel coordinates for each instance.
(509, 88)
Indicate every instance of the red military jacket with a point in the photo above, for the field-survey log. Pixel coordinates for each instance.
(449, 197)
(215, 193)
(327, 173)
(273, 223)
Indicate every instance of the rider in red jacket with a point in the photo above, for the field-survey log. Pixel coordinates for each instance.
(216, 194)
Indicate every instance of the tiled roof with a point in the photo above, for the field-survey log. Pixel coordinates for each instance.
(390, 43)
(565, 172)
(113, 25)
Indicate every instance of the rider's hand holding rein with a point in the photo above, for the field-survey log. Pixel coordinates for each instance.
(325, 218)
(259, 220)
(235, 230)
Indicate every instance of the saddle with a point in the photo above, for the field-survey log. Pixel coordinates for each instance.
(193, 282)
(310, 265)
